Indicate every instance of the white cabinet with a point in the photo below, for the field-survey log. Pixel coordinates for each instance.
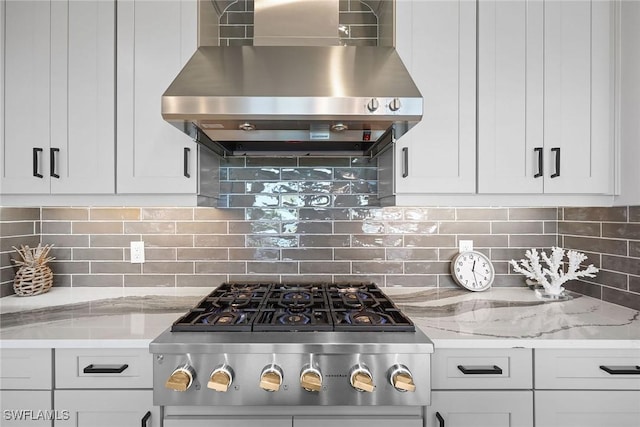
(437, 42)
(587, 387)
(107, 408)
(59, 87)
(579, 408)
(105, 387)
(481, 387)
(545, 96)
(154, 41)
(25, 387)
(481, 409)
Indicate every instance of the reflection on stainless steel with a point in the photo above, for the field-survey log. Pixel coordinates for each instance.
(284, 92)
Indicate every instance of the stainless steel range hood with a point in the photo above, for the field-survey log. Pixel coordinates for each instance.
(279, 98)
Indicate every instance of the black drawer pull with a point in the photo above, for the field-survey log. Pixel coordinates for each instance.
(621, 370)
(105, 369)
(185, 166)
(440, 419)
(540, 162)
(52, 162)
(557, 172)
(480, 370)
(405, 162)
(146, 418)
(36, 163)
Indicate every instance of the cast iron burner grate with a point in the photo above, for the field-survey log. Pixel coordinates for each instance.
(295, 307)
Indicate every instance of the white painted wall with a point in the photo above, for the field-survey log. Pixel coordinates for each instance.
(629, 103)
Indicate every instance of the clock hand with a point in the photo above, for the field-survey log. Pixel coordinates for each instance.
(475, 278)
(473, 267)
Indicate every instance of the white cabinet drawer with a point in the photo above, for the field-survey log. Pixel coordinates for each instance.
(581, 369)
(462, 369)
(591, 408)
(103, 368)
(26, 369)
(27, 408)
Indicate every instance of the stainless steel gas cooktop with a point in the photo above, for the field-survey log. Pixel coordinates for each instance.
(307, 344)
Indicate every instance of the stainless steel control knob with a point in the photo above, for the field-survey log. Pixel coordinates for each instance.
(181, 378)
(221, 378)
(271, 378)
(401, 379)
(395, 104)
(361, 378)
(373, 105)
(311, 378)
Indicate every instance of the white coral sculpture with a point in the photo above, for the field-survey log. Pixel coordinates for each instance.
(557, 276)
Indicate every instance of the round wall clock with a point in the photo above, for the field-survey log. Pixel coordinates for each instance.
(472, 270)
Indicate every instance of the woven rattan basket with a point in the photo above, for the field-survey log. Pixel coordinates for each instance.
(32, 280)
(34, 276)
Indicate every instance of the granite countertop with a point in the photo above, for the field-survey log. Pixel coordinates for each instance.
(498, 318)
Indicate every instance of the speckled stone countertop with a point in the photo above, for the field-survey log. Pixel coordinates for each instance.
(452, 318)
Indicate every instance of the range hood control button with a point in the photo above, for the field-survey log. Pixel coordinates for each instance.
(221, 378)
(361, 378)
(271, 378)
(401, 379)
(181, 378)
(311, 378)
(373, 105)
(395, 104)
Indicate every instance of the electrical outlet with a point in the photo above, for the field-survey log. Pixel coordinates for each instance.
(465, 245)
(137, 252)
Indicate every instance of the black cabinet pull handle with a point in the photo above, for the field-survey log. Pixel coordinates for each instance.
(145, 419)
(36, 163)
(187, 150)
(52, 162)
(480, 370)
(405, 162)
(621, 370)
(440, 419)
(540, 162)
(104, 369)
(557, 172)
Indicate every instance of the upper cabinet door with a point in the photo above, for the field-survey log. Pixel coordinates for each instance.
(155, 39)
(83, 97)
(510, 96)
(545, 97)
(437, 42)
(578, 86)
(25, 144)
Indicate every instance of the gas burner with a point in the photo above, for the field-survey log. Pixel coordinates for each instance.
(294, 319)
(366, 318)
(223, 318)
(244, 288)
(357, 299)
(296, 300)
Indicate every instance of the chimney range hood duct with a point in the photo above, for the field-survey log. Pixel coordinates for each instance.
(286, 97)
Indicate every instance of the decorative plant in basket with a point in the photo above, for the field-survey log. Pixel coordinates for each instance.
(34, 276)
(554, 276)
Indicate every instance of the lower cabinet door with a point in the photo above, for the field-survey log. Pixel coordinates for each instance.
(481, 409)
(107, 408)
(576, 408)
(26, 408)
(382, 421)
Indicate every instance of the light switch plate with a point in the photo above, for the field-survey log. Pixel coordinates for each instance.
(137, 252)
(465, 245)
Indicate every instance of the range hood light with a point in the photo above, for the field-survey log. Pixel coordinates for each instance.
(247, 126)
(339, 127)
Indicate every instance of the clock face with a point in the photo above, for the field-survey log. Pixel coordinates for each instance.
(472, 270)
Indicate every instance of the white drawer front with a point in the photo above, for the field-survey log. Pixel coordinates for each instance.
(28, 369)
(580, 369)
(72, 363)
(27, 408)
(482, 369)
